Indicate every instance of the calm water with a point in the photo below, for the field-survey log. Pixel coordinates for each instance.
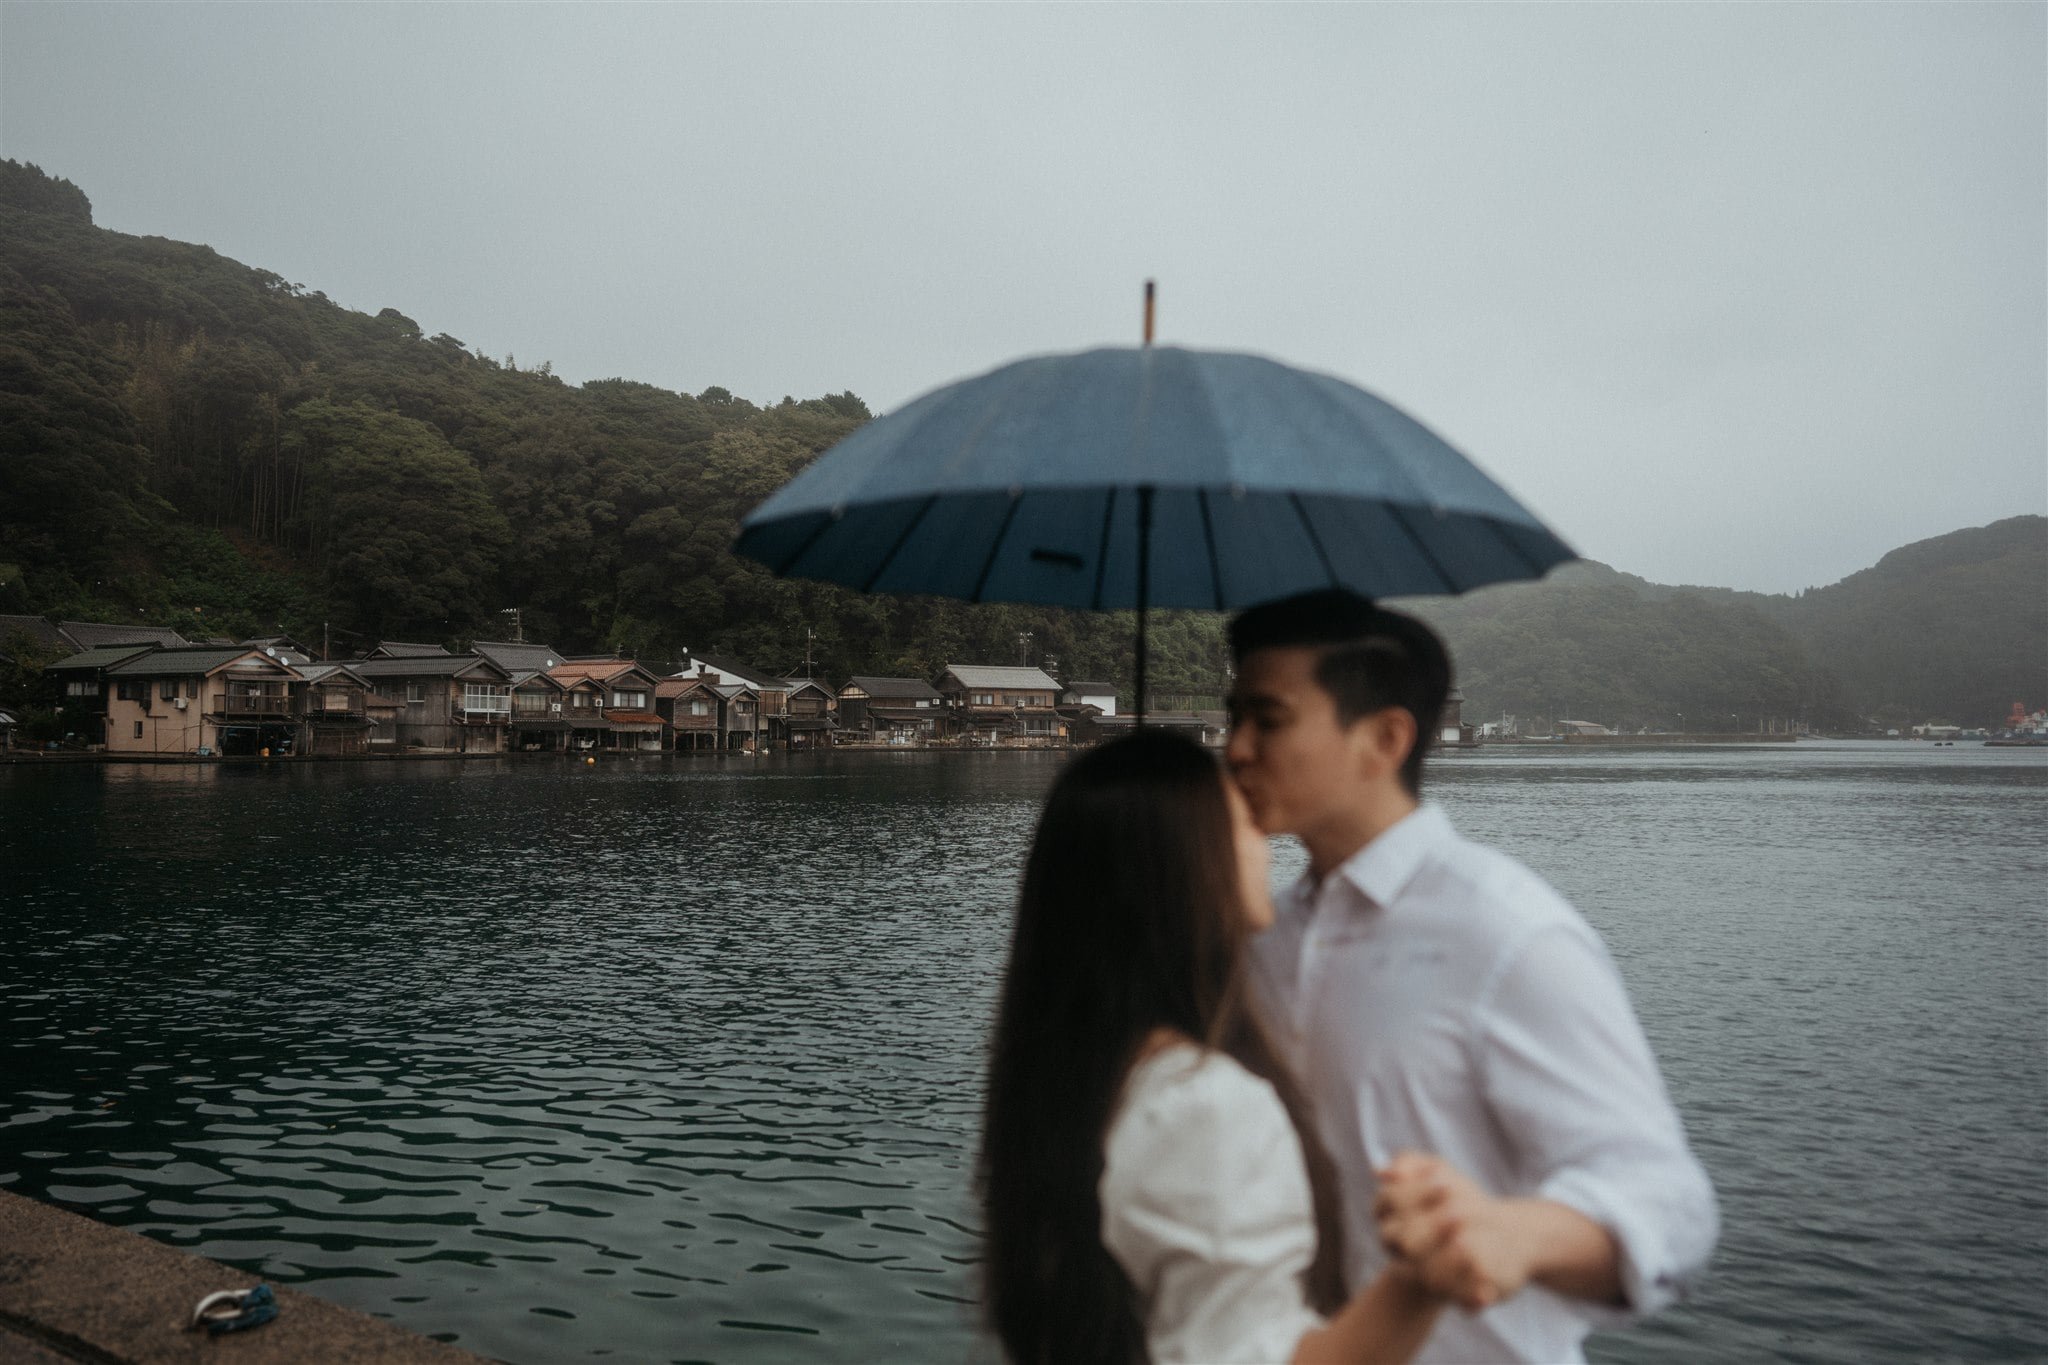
(666, 1060)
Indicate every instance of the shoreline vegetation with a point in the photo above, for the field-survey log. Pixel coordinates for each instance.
(191, 443)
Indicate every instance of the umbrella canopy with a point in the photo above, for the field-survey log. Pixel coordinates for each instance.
(1155, 476)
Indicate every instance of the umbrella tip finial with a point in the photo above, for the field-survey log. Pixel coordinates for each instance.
(1151, 290)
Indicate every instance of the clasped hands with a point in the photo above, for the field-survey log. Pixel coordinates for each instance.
(1463, 1244)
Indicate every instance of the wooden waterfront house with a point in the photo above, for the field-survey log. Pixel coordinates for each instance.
(811, 721)
(1452, 731)
(540, 720)
(195, 700)
(624, 695)
(876, 710)
(583, 704)
(767, 716)
(8, 722)
(1100, 695)
(333, 711)
(457, 703)
(990, 705)
(694, 711)
(743, 728)
(83, 680)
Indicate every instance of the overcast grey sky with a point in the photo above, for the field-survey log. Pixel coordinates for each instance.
(1741, 295)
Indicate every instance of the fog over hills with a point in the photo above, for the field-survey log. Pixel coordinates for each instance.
(193, 442)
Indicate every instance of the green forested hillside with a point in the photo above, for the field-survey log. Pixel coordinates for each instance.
(192, 442)
(188, 441)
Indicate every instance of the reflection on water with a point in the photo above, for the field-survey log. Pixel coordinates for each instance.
(678, 1060)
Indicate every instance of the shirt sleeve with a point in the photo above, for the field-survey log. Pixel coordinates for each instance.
(1573, 1083)
(1205, 1205)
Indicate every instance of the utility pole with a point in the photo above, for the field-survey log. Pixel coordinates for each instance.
(1023, 649)
(809, 635)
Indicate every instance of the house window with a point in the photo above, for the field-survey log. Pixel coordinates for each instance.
(700, 707)
(84, 689)
(131, 691)
(530, 703)
(416, 693)
(579, 700)
(630, 701)
(984, 699)
(168, 689)
(192, 687)
(138, 729)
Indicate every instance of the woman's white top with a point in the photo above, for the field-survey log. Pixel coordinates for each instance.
(1205, 1205)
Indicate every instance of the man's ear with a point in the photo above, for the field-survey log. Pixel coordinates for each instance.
(1383, 740)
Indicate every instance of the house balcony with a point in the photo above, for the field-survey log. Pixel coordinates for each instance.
(251, 706)
(334, 709)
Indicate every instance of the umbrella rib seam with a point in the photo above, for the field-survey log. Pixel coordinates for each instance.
(1102, 550)
(1401, 520)
(1315, 541)
(805, 548)
(1500, 533)
(897, 548)
(996, 548)
(1209, 539)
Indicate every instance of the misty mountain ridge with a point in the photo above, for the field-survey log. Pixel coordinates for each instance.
(191, 442)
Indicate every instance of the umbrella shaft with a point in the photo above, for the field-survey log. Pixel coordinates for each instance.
(1144, 587)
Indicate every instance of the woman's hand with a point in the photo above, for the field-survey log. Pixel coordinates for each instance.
(1461, 1242)
(1477, 1250)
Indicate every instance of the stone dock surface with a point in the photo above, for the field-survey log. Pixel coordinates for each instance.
(72, 1289)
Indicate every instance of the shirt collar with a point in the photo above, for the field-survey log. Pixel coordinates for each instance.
(1384, 867)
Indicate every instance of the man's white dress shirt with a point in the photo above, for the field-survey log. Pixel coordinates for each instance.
(1435, 995)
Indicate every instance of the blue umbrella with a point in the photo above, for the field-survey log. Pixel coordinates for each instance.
(1147, 477)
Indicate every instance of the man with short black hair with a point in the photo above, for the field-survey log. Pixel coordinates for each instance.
(1435, 996)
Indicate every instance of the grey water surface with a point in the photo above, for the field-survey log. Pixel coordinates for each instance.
(677, 1060)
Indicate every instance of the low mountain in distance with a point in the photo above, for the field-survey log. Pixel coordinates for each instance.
(191, 442)
(1952, 628)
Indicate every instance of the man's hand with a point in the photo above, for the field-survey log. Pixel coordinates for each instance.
(1462, 1242)
(1477, 1250)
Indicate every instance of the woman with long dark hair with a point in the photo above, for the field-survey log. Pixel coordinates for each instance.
(1152, 1189)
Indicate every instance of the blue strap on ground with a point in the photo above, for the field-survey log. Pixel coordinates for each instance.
(259, 1306)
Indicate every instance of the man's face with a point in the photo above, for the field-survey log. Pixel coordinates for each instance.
(1292, 759)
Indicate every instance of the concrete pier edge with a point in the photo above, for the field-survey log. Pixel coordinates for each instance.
(72, 1289)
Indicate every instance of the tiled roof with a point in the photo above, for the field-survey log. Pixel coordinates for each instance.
(182, 663)
(36, 629)
(979, 675)
(752, 676)
(675, 687)
(403, 649)
(893, 688)
(518, 657)
(92, 660)
(327, 672)
(425, 666)
(597, 670)
(93, 634)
